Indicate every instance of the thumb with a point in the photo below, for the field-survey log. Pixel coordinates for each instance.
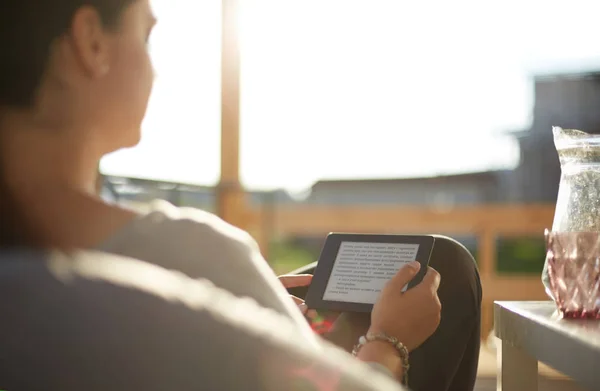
(404, 275)
(295, 280)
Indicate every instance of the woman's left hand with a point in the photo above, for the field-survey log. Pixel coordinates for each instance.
(297, 281)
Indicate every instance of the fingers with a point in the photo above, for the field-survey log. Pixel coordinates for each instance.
(404, 275)
(300, 303)
(311, 314)
(295, 280)
(303, 308)
(297, 300)
(432, 279)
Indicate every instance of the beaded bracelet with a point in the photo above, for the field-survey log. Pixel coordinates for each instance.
(399, 346)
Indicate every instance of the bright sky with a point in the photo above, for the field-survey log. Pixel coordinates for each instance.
(354, 88)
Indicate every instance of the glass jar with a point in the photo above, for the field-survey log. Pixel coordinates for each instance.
(578, 202)
(572, 266)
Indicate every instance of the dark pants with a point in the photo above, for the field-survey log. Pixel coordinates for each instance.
(448, 360)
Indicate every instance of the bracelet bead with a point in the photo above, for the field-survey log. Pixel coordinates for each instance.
(399, 346)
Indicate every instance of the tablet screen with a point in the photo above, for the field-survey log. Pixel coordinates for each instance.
(361, 269)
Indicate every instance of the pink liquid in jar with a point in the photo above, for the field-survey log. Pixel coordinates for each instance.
(574, 272)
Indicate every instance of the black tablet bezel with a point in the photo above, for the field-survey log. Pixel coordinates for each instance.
(314, 297)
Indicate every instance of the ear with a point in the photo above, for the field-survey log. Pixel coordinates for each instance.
(90, 41)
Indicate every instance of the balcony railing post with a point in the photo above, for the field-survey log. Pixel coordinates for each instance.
(230, 195)
(486, 259)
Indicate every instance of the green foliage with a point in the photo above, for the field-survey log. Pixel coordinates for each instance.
(285, 256)
(520, 255)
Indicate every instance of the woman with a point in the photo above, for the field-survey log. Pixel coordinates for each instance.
(75, 78)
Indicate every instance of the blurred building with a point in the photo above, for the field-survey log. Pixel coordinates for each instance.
(473, 188)
(137, 191)
(571, 101)
(567, 100)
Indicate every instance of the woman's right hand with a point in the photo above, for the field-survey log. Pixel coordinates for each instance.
(410, 316)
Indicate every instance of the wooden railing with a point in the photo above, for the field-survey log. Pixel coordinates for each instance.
(487, 223)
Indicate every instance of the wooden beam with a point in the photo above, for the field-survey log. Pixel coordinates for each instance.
(505, 220)
(231, 204)
(486, 252)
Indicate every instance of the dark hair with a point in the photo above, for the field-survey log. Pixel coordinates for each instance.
(27, 31)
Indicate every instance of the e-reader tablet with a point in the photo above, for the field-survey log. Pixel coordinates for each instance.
(353, 268)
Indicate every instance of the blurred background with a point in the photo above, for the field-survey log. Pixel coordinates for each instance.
(296, 118)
